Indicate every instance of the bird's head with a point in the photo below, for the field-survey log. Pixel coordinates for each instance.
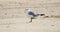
(27, 10)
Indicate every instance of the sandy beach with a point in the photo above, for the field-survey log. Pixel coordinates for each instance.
(13, 18)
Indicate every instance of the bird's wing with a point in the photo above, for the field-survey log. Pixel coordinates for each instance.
(31, 13)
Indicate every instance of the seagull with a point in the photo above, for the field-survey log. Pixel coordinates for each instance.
(31, 14)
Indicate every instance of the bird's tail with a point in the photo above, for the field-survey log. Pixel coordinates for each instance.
(39, 15)
(42, 14)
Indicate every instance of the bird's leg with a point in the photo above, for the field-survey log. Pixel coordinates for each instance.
(30, 20)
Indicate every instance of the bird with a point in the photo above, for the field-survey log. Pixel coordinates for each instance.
(31, 14)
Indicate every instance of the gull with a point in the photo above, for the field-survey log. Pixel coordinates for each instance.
(31, 14)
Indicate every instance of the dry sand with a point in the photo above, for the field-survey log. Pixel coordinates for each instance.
(13, 18)
(38, 25)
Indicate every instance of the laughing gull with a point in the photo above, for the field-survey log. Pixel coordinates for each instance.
(31, 14)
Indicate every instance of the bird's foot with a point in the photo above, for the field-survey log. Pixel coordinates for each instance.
(33, 18)
(30, 21)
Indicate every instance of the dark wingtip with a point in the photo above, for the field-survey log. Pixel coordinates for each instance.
(42, 14)
(39, 15)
